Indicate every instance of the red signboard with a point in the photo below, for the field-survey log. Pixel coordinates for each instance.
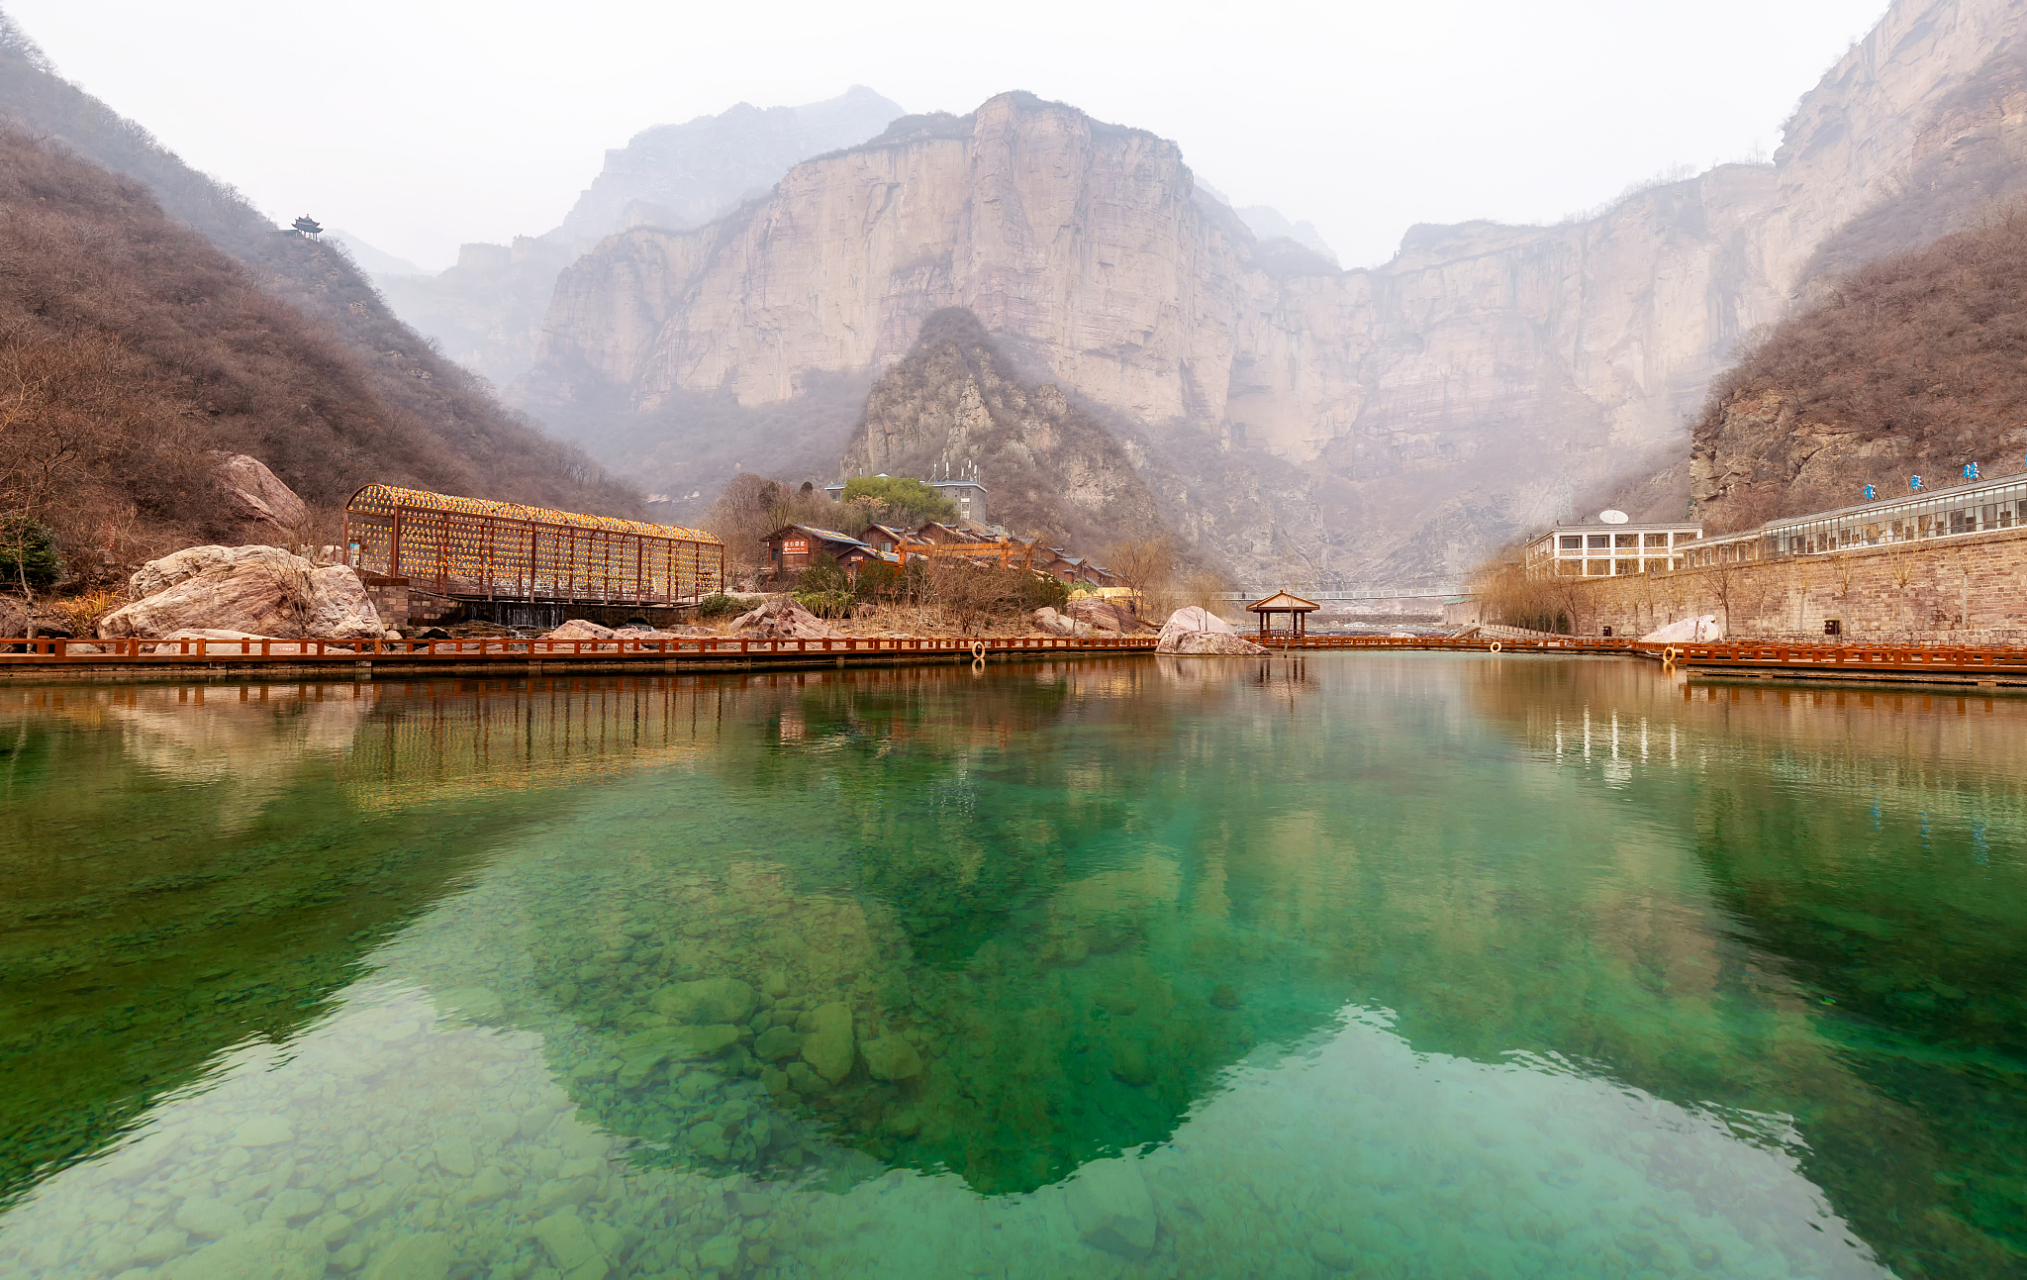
(795, 546)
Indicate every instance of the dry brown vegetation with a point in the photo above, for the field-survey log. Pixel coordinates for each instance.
(131, 349)
(149, 314)
(1916, 364)
(753, 506)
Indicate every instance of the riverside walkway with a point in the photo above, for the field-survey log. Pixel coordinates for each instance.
(1990, 666)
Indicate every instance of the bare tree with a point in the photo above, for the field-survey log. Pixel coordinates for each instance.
(1148, 566)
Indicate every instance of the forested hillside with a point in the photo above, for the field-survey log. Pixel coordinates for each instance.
(131, 349)
(1916, 364)
(150, 315)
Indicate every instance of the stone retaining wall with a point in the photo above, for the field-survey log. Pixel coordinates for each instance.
(1964, 590)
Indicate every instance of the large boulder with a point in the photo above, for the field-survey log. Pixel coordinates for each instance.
(262, 591)
(783, 619)
(1688, 631)
(580, 629)
(261, 496)
(1105, 615)
(1057, 624)
(1197, 630)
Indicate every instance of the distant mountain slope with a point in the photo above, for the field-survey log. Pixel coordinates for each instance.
(1051, 471)
(684, 175)
(487, 310)
(132, 350)
(1915, 365)
(423, 405)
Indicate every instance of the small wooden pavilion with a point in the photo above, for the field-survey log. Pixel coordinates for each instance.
(1297, 609)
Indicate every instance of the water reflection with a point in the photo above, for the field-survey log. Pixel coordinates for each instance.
(1395, 964)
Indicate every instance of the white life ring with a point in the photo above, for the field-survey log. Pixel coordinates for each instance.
(1495, 646)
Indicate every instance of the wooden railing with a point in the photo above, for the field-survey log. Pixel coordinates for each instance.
(1469, 644)
(171, 652)
(1850, 658)
(1854, 657)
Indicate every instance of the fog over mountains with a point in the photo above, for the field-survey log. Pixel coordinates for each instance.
(727, 290)
(1301, 420)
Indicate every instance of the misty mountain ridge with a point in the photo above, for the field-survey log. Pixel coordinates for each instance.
(1395, 422)
(486, 311)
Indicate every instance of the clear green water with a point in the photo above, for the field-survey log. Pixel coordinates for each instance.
(1371, 965)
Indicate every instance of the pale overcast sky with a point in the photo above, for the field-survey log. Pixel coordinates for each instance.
(422, 124)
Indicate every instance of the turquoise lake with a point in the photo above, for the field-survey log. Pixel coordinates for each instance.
(1359, 964)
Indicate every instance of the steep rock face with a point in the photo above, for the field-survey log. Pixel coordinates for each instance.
(1411, 415)
(1055, 473)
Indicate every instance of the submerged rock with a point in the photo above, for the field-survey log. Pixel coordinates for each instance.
(828, 1046)
(1112, 1208)
(426, 1256)
(777, 1043)
(708, 1000)
(1332, 1250)
(892, 1058)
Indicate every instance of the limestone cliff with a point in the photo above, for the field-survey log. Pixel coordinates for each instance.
(1397, 420)
(1052, 471)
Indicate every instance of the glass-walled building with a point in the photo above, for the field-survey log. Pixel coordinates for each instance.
(1980, 506)
(1599, 550)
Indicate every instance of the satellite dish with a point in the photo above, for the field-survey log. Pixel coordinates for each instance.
(1613, 517)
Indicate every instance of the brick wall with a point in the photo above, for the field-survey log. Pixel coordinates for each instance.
(1967, 590)
(389, 597)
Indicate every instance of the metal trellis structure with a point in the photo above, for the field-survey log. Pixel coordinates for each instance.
(471, 549)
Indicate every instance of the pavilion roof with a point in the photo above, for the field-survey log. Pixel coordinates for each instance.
(1282, 601)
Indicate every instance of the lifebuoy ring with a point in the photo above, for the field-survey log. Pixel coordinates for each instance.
(978, 650)
(1495, 646)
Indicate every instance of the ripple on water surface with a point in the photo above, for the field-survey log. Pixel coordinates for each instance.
(1373, 965)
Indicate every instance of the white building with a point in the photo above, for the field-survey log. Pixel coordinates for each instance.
(1595, 549)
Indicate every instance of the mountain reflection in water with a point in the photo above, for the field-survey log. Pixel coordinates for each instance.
(1441, 960)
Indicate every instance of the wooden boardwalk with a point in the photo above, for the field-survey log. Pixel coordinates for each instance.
(1993, 666)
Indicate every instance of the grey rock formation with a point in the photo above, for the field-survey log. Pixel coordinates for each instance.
(262, 497)
(1296, 420)
(1052, 470)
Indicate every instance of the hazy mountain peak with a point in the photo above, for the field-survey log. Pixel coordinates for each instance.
(1269, 223)
(697, 170)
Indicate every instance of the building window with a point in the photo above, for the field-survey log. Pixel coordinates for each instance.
(1597, 568)
(1626, 540)
(1600, 541)
(1657, 539)
(1625, 566)
(1572, 542)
